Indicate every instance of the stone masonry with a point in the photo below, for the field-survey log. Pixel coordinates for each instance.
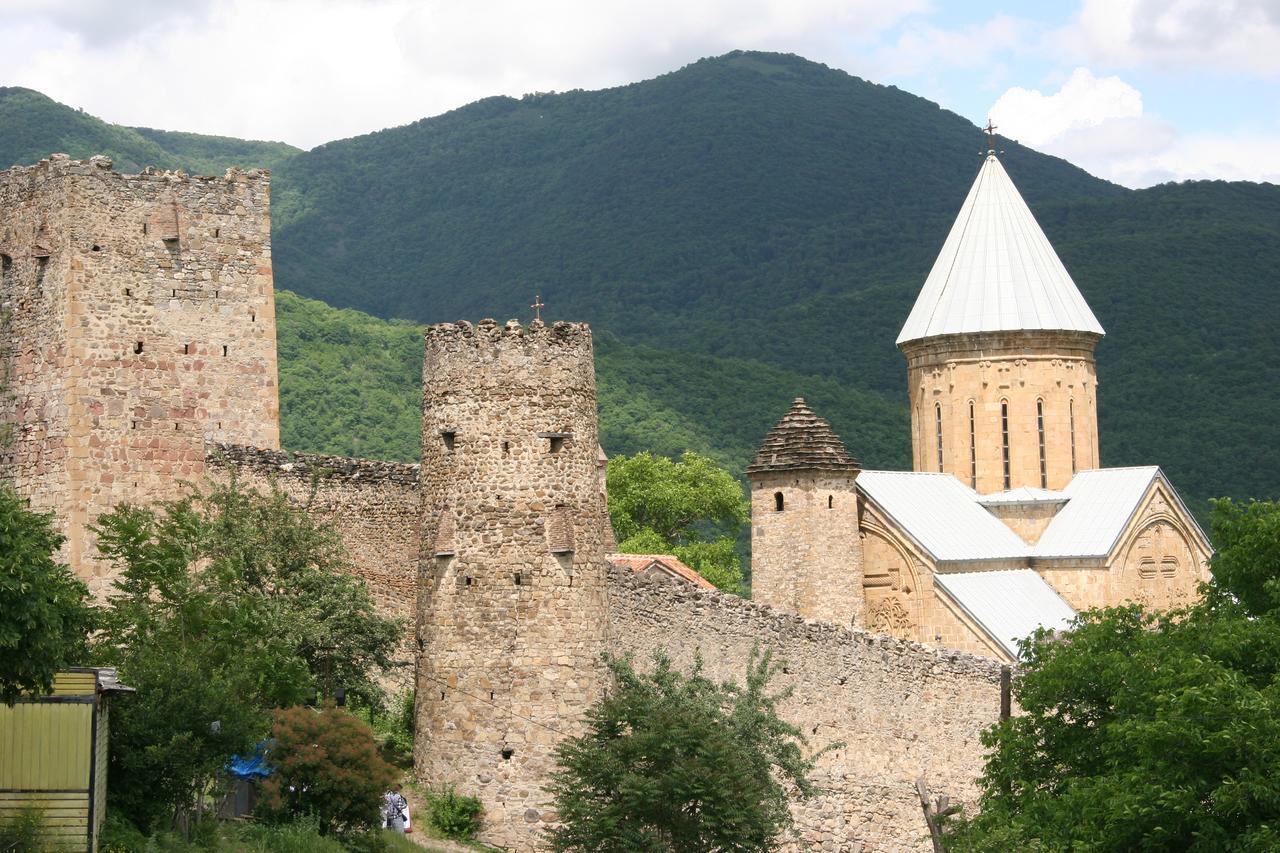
(373, 506)
(512, 603)
(806, 554)
(1037, 388)
(141, 323)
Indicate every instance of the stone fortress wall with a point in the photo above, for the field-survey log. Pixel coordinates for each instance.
(140, 324)
(901, 710)
(374, 507)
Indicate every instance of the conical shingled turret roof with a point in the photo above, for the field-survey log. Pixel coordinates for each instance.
(997, 271)
(802, 441)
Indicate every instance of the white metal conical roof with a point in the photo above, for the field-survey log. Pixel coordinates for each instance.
(997, 271)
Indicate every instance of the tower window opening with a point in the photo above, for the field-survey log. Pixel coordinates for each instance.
(217, 232)
(937, 428)
(506, 448)
(95, 248)
(128, 291)
(1004, 438)
(253, 317)
(137, 348)
(519, 580)
(449, 437)
(557, 442)
(173, 292)
(468, 580)
(831, 502)
(1044, 468)
(224, 350)
(777, 502)
(507, 752)
(973, 448)
(186, 349)
(1071, 416)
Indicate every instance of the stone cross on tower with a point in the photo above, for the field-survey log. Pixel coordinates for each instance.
(537, 306)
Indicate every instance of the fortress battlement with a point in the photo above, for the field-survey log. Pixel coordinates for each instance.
(61, 165)
(284, 464)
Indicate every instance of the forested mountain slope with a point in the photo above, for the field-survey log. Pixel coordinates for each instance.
(743, 230)
(33, 126)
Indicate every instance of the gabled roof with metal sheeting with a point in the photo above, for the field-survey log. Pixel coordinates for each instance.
(1009, 605)
(942, 515)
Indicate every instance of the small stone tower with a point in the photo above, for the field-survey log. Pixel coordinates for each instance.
(512, 602)
(999, 347)
(806, 554)
(139, 324)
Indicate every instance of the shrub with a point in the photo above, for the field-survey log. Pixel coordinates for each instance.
(20, 833)
(328, 767)
(455, 815)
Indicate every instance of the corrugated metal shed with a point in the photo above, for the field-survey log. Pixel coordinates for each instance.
(1009, 605)
(942, 515)
(1101, 504)
(997, 271)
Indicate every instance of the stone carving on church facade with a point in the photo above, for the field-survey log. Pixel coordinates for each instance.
(891, 588)
(1160, 570)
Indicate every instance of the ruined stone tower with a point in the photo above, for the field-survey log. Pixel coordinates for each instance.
(512, 604)
(140, 323)
(806, 554)
(999, 347)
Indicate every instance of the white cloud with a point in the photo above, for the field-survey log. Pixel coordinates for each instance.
(1083, 101)
(309, 71)
(924, 48)
(1237, 35)
(1099, 124)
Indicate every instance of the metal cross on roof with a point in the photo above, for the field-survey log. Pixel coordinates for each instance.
(537, 306)
(990, 131)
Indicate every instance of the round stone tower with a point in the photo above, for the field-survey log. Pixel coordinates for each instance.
(999, 347)
(512, 607)
(806, 554)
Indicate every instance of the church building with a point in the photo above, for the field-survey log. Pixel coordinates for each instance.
(1007, 521)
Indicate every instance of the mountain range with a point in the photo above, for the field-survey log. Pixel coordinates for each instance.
(746, 229)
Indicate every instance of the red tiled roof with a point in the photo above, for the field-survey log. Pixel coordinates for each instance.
(667, 563)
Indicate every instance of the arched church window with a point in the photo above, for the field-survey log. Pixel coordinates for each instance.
(1044, 468)
(777, 501)
(1004, 438)
(937, 428)
(973, 448)
(1071, 416)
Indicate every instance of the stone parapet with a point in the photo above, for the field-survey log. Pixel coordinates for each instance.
(310, 466)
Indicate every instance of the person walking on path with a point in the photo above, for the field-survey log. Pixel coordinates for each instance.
(395, 809)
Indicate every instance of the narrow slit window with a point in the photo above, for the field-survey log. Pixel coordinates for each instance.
(831, 502)
(518, 578)
(449, 437)
(6, 268)
(137, 348)
(186, 349)
(1004, 438)
(1071, 416)
(1044, 468)
(506, 448)
(224, 350)
(937, 429)
(777, 502)
(973, 448)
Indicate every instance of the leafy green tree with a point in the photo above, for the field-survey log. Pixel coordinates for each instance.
(44, 613)
(230, 603)
(1144, 731)
(674, 762)
(691, 508)
(326, 766)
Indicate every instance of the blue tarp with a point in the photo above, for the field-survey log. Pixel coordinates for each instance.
(253, 767)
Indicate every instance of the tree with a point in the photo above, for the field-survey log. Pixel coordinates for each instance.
(1152, 731)
(678, 762)
(691, 508)
(229, 603)
(44, 610)
(326, 766)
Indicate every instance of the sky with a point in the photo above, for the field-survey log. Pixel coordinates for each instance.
(1135, 91)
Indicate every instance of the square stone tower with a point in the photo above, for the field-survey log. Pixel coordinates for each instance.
(512, 599)
(139, 324)
(806, 551)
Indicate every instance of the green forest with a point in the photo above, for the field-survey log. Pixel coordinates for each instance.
(741, 231)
